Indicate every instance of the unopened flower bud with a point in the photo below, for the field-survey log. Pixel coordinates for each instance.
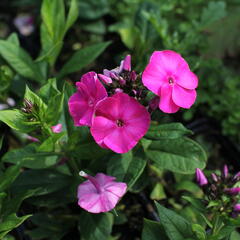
(236, 207)
(225, 171)
(214, 177)
(237, 177)
(154, 102)
(57, 128)
(232, 191)
(200, 177)
(133, 76)
(118, 90)
(105, 79)
(127, 63)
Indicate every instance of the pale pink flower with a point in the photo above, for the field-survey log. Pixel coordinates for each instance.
(100, 193)
(82, 103)
(120, 122)
(57, 128)
(169, 76)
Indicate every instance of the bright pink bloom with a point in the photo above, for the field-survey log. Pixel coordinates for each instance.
(82, 103)
(120, 122)
(126, 64)
(57, 128)
(100, 193)
(169, 76)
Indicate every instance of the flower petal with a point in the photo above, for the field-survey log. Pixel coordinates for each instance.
(187, 79)
(117, 188)
(166, 103)
(183, 97)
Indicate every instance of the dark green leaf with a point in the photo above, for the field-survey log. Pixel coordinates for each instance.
(8, 177)
(167, 131)
(176, 227)
(72, 14)
(153, 231)
(82, 58)
(46, 181)
(20, 61)
(30, 157)
(181, 155)
(95, 226)
(11, 222)
(126, 168)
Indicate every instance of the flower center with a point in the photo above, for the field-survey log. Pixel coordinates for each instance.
(170, 80)
(90, 103)
(120, 123)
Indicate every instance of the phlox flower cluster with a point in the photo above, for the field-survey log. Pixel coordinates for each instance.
(111, 103)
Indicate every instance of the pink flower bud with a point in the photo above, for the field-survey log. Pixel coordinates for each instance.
(118, 90)
(57, 128)
(133, 76)
(214, 177)
(100, 193)
(225, 171)
(32, 139)
(236, 207)
(237, 177)
(233, 191)
(105, 79)
(201, 179)
(154, 102)
(127, 63)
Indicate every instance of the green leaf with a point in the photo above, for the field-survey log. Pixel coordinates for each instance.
(95, 226)
(11, 222)
(82, 58)
(167, 131)
(72, 14)
(181, 155)
(158, 192)
(11, 206)
(1, 141)
(153, 231)
(197, 203)
(199, 231)
(126, 168)
(13, 38)
(30, 157)
(6, 76)
(17, 120)
(45, 180)
(235, 236)
(20, 61)
(176, 227)
(8, 177)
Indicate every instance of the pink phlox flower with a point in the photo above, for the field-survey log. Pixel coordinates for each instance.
(82, 103)
(100, 193)
(169, 76)
(57, 128)
(120, 122)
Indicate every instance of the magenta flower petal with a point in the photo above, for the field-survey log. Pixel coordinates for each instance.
(116, 128)
(200, 177)
(82, 104)
(166, 103)
(183, 97)
(168, 76)
(57, 128)
(100, 193)
(105, 79)
(186, 78)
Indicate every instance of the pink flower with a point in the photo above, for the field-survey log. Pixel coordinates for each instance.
(201, 179)
(168, 76)
(82, 103)
(120, 122)
(100, 193)
(57, 128)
